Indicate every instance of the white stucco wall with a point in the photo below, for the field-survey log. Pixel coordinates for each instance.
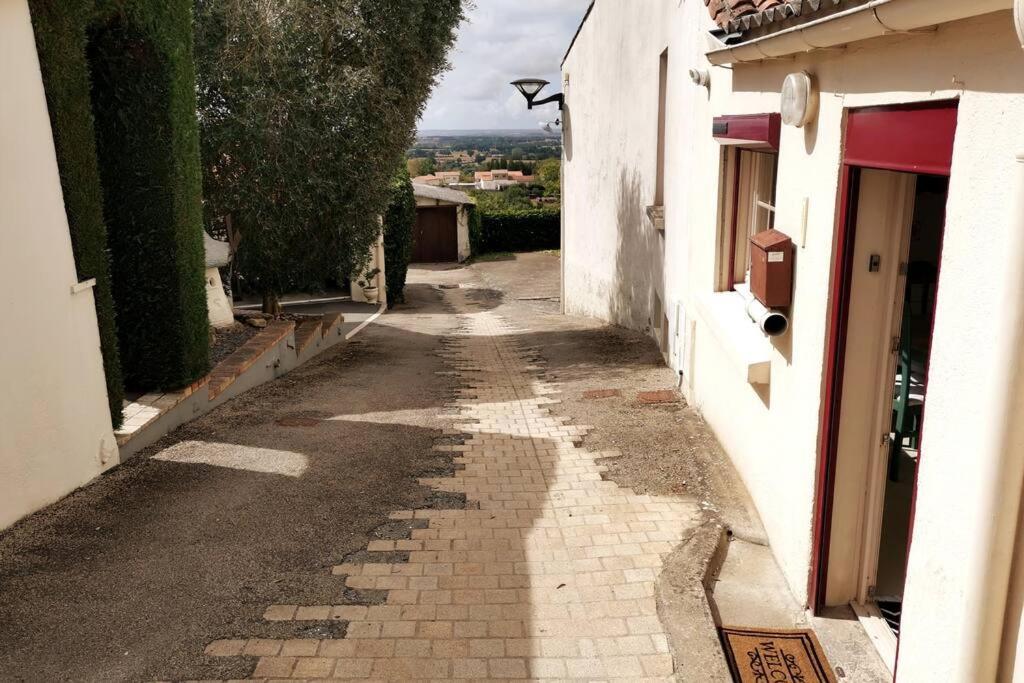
(55, 432)
(217, 303)
(771, 433)
(612, 253)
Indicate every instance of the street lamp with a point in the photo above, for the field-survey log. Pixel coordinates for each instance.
(530, 87)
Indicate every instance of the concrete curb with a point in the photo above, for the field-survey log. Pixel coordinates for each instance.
(274, 360)
(684, 609)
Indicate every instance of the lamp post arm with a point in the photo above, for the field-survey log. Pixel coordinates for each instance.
(554, 98)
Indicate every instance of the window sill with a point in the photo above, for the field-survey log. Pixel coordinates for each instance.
(726, 316)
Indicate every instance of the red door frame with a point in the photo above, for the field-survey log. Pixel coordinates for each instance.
(916, 138)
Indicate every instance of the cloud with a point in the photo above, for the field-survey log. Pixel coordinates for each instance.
(500, 41)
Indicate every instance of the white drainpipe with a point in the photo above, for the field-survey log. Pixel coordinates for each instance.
(876, 18)
(1000, 457)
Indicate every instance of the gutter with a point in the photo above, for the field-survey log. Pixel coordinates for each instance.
(874, 19)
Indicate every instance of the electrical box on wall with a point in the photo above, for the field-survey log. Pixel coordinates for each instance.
(771, 268)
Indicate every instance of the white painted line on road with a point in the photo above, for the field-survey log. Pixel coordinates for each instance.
(359, 328)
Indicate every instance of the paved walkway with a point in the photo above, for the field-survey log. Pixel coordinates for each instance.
(548, 573)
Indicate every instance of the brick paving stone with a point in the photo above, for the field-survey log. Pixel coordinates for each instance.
(601, 393)
(659, 396)
(549, 571)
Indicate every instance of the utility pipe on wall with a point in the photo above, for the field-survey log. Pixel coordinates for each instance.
(771, 322)
(1000, 459)
(875, 18)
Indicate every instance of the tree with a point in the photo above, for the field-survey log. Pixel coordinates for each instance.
(423, 166)
(304, 107)
(549, 172)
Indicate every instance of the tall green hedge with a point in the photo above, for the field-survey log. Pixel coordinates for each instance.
(120, 85)
(399, 221)
(515, 230)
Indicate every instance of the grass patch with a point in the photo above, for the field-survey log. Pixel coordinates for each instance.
(493, 256)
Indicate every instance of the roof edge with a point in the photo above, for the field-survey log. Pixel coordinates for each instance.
(576, 35)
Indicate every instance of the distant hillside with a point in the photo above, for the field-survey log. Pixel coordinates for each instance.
(497, 132)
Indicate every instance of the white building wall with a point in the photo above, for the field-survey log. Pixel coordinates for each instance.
(771, 432)
(612, 252)
(55, 431)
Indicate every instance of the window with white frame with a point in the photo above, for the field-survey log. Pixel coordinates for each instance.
(752, 193)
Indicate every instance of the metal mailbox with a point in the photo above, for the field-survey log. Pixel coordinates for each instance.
(771, 268)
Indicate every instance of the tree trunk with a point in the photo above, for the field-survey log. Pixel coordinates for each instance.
(271, 304)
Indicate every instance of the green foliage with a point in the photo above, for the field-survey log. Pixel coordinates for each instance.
(549, 172)
(304, 107)
(509, 165)
(516, 230)
(399, 221)
(120, 88)
(510, 199)
(424, 166)
(476, 229)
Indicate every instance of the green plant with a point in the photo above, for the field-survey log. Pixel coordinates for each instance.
(399, 221)
(517, 230)
(120, 87)
(305, 106)
(476, 229)
(366, 279)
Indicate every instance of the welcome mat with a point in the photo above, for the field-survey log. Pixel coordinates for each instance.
(775, 656)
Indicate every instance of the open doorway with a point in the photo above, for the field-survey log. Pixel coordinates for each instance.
(897, 226)
(909, 392)
(893, 191)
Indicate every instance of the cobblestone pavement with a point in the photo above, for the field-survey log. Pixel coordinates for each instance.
(548, 573)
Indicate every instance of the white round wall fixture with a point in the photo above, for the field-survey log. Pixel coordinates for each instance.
(799, 99)
(1018, 19)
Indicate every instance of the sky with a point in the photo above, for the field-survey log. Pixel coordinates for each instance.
(500, 41)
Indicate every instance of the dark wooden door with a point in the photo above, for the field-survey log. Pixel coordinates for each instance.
(436, 237)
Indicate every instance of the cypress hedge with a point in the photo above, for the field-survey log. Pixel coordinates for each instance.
(120, 86)
(515, 230)
(399, 221)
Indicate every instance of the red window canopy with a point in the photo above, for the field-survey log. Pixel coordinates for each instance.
(753, 131)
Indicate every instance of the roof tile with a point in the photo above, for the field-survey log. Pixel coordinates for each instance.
(738, 16)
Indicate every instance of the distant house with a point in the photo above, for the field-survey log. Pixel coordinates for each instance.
(495, 185)
(500, 178)
(521, 177)
(438, 179)
(442, 225)
(448, 177)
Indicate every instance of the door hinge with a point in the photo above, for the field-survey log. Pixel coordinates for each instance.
(895, 345)
(903, 268)
(886, 439)
(872, 590)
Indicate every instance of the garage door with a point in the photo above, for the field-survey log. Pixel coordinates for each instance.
(436, 238)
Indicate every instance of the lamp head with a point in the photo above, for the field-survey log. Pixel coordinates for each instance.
(529, 87)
